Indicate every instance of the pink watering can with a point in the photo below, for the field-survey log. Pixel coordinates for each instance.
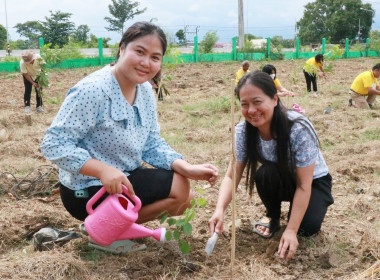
(114, 219)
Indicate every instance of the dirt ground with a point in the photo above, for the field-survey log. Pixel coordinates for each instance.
(195, 120)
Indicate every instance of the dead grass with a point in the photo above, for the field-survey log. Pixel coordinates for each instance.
(195, 120)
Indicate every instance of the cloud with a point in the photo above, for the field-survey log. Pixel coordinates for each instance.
(232, 13)
(194, 8)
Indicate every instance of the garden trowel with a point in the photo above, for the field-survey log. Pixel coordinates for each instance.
(211, 243)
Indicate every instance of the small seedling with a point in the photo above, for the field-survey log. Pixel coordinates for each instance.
(181, 227)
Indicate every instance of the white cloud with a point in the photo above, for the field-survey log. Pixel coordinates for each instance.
(194, 8)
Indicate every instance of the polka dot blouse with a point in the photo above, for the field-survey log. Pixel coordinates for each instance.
(96, 121)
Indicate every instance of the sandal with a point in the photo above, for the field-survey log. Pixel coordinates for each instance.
(119, 247)
(272, 224)
(82, 229)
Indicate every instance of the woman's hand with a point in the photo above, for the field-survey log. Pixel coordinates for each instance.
(207, 172)
(112, 179)
(288, 242)
(286, 93)
(216, 222)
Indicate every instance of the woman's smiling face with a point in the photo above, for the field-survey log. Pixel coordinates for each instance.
(141, 59)
(257, 107)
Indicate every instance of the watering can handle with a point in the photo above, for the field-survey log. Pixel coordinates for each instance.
(102, 191)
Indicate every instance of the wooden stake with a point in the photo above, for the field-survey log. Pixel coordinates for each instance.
(233, 162)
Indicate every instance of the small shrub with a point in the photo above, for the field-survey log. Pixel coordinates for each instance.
(208, 42)
(10, 59)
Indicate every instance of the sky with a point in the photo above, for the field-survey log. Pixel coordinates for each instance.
(261, 18)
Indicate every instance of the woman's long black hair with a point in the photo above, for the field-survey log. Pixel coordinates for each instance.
(280, 130)
(140, 29)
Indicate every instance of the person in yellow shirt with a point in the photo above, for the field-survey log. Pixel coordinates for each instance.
(242, 71)
(310, 70)
(365, 88)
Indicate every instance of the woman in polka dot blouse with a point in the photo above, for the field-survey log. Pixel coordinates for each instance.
(107, 126)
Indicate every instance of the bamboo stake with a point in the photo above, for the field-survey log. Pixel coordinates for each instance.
(233, 162)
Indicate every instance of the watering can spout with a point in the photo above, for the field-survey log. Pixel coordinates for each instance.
(139, 231)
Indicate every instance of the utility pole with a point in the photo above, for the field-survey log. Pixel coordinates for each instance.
(241, 24)
(185, 31)
(6, 21)
(196, 30)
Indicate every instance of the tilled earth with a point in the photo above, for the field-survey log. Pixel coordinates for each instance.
(195, 120)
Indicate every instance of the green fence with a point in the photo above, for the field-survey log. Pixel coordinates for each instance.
(198, 57)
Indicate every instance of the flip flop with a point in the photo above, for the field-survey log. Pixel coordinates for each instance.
(82, 229)
(119, 247)
(272, 224)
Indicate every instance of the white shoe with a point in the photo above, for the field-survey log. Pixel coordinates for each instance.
(40, 109)
(27, 110)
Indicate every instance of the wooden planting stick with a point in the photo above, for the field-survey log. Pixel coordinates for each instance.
(233, 162)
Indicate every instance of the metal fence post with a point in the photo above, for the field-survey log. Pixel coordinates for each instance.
(297, 47)
(323, 45)
(347, 45)
(100, 46)
(367, 47)
(234, 56)
(41, 43)
(195, 48)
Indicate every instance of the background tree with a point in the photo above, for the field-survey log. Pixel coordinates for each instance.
(93, 43)
(57, 28)
(180, 36)
(80, 35)
(122, 10)
(19, 45)
(374, 40)
(279, 40)
(31, 30)
(249, 37)
(3, 37)
(208, 42)
(335, 20)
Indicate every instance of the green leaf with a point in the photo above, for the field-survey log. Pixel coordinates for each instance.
(202, 202)
(200, 190)
(171, 221)
(184, 246)
(168, 235)
(193, 202)
(187, 211)
(176, 234)
(180, 223)
(164, 218)
(188, 229)
(190, 217)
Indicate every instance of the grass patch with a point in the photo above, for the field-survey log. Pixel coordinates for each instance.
(56, 100)
(221, 104)
(327, 144)
(341, 248)
(4, 121)
(371, 134)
